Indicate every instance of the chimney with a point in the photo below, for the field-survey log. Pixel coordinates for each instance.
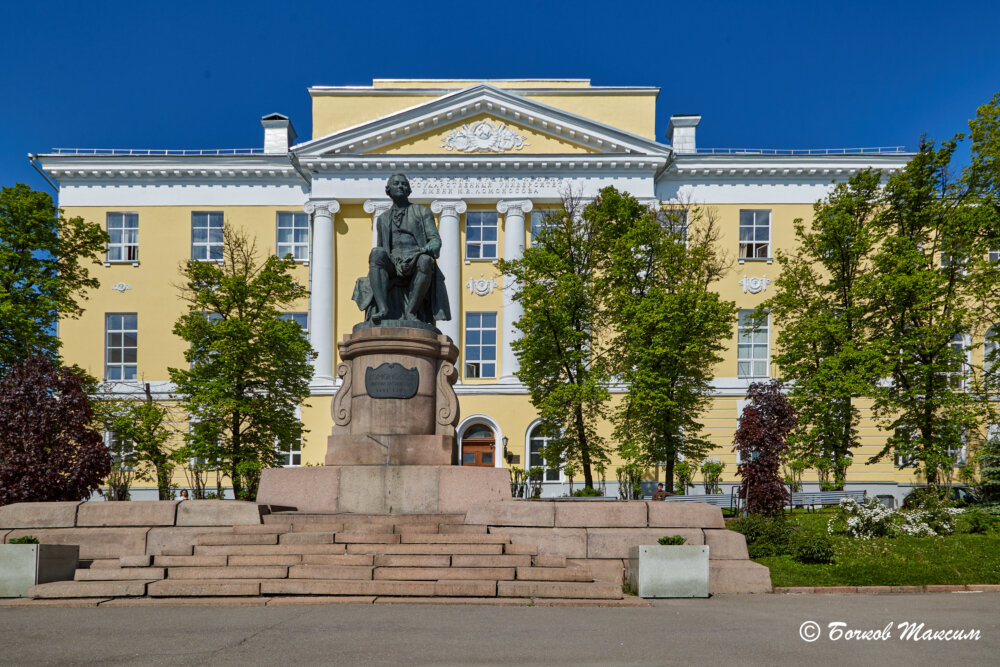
(278, 134)
(681, 130)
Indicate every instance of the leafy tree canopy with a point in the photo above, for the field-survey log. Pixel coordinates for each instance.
(44, 260)
(250, 368)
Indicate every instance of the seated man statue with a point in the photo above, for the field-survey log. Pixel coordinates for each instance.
(403, 281)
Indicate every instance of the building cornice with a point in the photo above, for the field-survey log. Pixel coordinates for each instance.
(457, 105)
(170, 167)
(486, 163)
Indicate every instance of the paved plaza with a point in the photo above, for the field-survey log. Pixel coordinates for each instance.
(751, 629)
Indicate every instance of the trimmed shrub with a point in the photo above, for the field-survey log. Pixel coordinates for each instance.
(672, 540)
(807, 546)
(587, 492)
(765, 535)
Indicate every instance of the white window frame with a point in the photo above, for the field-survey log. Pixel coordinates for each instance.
(478, 364)
(299, 250)
(127, 249)
(549, 475)
(482, 245)
(959, 379)
(538, 217)
(749, 250)
(754, 359)
(296, 317)
(677, 226)
(209, 245)
(125, 450)
(994, 256)
(991, 341)
(121, 348)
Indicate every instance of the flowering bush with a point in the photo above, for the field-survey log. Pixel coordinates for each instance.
(870, 519)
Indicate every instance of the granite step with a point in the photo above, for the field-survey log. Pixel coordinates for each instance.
(330, 572)
(90, 589)
(553, 574)
(119, 574)
(219, 539)
(455, 538)
(449, 549)
(229, 572)
(193, 561)
(443, 573)
(496, 560)
(205, 588)
(268, 549)
(559, 589)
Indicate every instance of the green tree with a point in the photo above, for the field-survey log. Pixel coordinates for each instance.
(669, 325)
(933, 293)
(44, 260)
(824, 349)
(558, 284)
(250, 368)
(141, 430)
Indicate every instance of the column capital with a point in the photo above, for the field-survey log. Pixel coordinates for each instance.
(322, 207)
(448, 206)
(514, 206)
(377, 206)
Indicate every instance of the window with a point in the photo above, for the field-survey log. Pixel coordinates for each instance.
(480, 235)
(995, 255)
(206, 237)
(122, 450)
(676, 221)
(539, 221)
(751, 346)
(536, 444)
(293, 235)
(302, 319)
(990, 350)
(480, 345)
(291, 457)
(956, 376)
(121, 343)
(755, 234)
(123, 228)
(957, 454)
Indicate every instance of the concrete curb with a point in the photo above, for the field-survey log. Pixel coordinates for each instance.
(881, 590)
(629, 602)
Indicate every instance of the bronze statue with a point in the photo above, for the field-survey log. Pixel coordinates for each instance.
(404, 283)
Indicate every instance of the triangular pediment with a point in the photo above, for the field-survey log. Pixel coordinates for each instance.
(480, 120)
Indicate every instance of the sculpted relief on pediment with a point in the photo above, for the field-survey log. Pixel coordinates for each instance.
(483, 136)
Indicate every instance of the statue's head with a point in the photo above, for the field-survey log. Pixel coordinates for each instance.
(398, 186)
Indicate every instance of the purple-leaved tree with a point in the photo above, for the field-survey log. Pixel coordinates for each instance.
(49, 449)
(761, 441)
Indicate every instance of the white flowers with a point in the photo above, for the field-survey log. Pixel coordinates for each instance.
(871, 519)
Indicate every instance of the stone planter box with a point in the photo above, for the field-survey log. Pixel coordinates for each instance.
(24, 565)
(679, 571)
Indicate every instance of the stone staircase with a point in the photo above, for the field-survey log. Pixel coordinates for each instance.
(347, 558)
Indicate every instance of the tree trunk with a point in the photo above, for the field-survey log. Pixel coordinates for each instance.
(581, 433)
(668, 474)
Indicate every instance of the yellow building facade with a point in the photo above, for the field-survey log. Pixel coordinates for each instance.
(489, 158)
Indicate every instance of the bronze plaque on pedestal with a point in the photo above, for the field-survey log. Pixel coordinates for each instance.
(391, 380)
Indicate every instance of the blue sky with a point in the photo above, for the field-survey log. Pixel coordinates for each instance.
(778, 74)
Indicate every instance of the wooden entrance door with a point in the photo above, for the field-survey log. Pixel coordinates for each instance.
(479, 447)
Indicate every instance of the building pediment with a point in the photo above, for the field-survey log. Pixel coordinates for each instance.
(481, 119)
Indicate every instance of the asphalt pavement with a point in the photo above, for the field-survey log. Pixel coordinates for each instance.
(723, 630)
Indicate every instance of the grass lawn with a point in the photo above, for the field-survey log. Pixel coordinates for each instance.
(900, 561)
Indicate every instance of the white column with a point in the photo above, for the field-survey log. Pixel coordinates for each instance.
(376, 207)
(513, 248)
(450, 261)
(322, 298)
